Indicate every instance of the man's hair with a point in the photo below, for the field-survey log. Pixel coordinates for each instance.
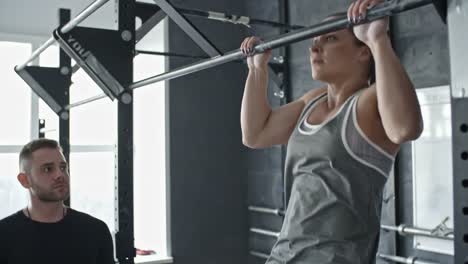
(28, 150)
(340, 15)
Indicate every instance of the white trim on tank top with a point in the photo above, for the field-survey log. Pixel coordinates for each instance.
(358, 128)
(306, 123)
(319, 126)
(351, 153)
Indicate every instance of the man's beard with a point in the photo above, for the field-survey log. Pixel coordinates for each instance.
(50, 195)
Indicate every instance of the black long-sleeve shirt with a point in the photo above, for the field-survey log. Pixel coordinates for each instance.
(77, 238)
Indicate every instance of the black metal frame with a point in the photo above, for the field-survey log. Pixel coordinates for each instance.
(286, 86)
(125, 236)
(55, 82)
(41, 125)
(48, 83)
(456, 21)
(90, 48)
(65, 68)
(460, 178)
(52, 85)
(93, 56)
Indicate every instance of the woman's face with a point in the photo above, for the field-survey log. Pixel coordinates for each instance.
(335, 56)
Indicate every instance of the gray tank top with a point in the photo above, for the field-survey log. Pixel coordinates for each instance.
(334, 178)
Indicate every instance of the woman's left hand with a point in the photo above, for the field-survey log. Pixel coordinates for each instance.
(369, 32)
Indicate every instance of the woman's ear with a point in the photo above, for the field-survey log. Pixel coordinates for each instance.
(23, 179)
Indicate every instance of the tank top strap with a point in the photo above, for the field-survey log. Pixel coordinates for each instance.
(311, 104)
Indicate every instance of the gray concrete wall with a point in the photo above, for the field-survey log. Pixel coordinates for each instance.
(264, 166)
(207, 171)
(420, 40)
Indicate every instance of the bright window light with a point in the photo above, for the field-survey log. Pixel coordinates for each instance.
(49, 58)
(94, 123)
(12, 195)
(15, 113)
(92, 184)
(150, 154)
(93, 126)
(15, 109)
(93, 138)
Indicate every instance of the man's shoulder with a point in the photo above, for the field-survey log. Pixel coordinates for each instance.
(11, 223)
(85, 218)
(11, 219)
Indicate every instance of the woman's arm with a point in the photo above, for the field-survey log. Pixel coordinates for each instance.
(261, 125)
(397, 102)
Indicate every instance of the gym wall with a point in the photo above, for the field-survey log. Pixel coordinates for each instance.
(423, 50)
(264, 166)
(208, 176)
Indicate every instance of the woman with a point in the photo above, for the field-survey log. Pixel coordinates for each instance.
(342, 139)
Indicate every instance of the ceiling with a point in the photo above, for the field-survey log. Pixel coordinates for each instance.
(33, 18)
(40, 18)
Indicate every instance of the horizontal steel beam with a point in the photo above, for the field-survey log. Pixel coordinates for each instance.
(409, 260)
(258, 254)
(265, 210)
(408, 230)
(387, 8)
(265, 232)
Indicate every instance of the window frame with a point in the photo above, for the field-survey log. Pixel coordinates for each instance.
(36, 42)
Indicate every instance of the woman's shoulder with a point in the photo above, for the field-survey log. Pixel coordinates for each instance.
(368, 96)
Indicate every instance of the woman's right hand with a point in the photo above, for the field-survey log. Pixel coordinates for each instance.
(256, 61)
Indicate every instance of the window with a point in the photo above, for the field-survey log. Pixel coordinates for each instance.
(432, 169)
(150, 152)
(92, 184)
(93, 136)
(15, 115)
(93, 139)
(93, 144)
(49, 58)
(12, 194)
(94, 123)
(16, 128)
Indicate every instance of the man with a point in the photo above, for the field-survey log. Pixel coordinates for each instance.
(47, 231)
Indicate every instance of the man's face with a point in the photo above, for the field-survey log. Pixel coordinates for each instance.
(48, 176)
